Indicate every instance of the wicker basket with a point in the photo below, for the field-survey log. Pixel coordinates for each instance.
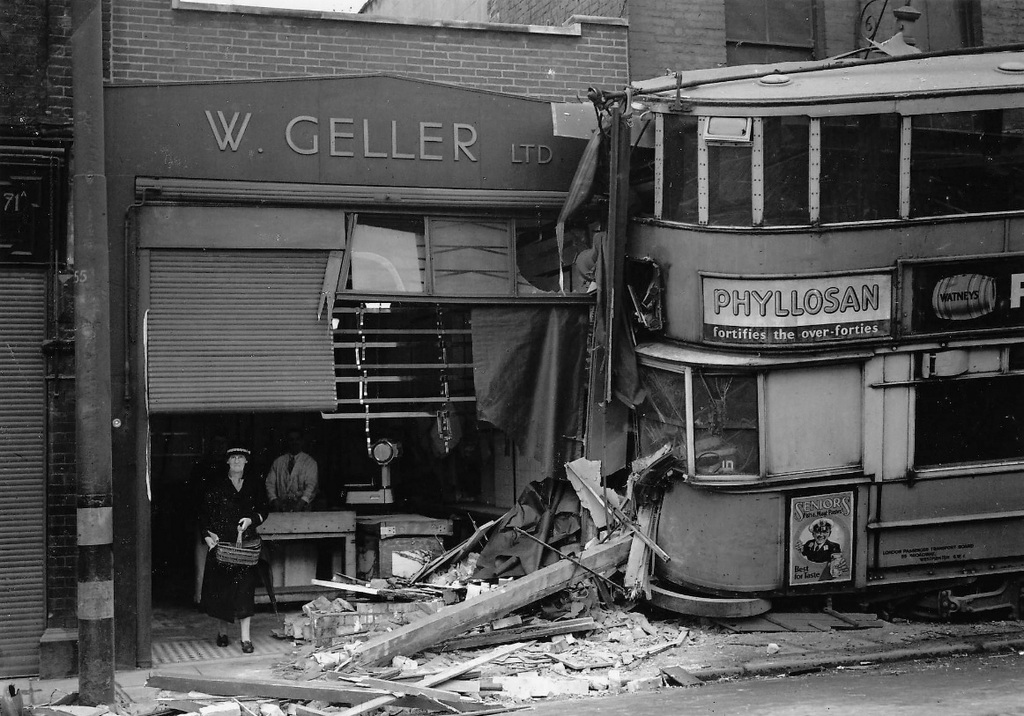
(242, 554)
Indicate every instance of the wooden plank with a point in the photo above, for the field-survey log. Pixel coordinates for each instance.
(397, 687)
(454, 620)
(506, 636)
(328, 523)
(330, 691)
(345, 587)
(434, 680)
(579, 665)
(750, 624)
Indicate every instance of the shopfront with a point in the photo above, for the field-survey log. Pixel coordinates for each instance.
(369, 261)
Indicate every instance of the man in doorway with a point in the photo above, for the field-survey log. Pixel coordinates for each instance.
(293, 481)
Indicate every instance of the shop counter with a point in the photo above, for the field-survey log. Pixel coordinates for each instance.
(293, 543)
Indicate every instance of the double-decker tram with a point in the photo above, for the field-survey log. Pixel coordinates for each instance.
(837, 369)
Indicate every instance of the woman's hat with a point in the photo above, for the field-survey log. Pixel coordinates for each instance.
(238, 451)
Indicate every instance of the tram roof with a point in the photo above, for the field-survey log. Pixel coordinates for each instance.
(843, 80)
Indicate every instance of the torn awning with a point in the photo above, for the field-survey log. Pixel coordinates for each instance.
(529, 366)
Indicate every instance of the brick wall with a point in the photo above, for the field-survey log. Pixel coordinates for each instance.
(35, 110)
(676, 35)
(150, 42)
(1002, 22)
(552, 12)
(35, 62)
(838, 21)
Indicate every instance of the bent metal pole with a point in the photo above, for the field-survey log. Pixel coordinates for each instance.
(92, 364)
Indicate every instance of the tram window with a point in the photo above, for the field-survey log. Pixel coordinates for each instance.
(725, 424)
(679, 194)
(662, 414)
(860, 159)
(967, 162)
(1016, 358)
(729, 173)
(785, 170)
(974, 420)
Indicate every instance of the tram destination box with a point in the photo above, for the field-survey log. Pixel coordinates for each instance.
(398, 545)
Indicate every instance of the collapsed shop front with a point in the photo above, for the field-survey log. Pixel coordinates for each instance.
(366, 263)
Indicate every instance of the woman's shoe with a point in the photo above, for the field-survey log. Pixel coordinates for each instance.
(222, 640)
(247, 647)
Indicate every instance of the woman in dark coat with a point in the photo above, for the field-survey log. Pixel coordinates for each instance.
(233, 502)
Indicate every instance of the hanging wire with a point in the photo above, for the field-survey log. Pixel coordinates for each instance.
(444, 419)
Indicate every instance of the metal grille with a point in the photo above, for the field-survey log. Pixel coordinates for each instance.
(237, 331)
(22, 470)
(401, 361)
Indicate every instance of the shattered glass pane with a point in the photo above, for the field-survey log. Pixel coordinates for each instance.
(662, 414)
(725, 424)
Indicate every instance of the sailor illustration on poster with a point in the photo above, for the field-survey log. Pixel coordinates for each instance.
(821, 527)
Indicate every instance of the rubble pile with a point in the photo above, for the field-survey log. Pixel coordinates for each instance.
(520, 610)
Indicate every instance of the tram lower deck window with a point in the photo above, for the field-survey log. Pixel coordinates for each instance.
(725, 424)
(973, 420)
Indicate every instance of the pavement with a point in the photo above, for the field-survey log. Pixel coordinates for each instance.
(711, 652)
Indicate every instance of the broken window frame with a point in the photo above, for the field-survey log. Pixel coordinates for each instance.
(503, 279)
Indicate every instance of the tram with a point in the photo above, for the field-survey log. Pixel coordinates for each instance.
(835, 364)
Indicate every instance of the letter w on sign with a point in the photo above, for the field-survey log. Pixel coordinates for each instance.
(228, 138)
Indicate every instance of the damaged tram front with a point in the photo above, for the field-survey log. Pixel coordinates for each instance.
(837, 364)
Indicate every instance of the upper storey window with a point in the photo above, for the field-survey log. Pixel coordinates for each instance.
(967, 162)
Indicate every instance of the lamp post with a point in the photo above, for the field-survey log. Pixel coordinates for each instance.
(95, 593)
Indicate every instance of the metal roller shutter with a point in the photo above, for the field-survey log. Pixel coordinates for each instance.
(238, 331)
(22, 470)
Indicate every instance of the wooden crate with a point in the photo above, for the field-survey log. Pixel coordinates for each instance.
(392, 545)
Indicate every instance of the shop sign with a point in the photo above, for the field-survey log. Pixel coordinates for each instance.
(797, 310)
(374, 130)
(820, 538)
(967, 295)
(25, 224)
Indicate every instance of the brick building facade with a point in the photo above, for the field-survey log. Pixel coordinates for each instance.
(168, 42)
(37, 424)
(550, 50)
(698, 34)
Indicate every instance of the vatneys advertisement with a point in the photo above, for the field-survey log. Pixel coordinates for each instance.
(821, 538)
(797, 310)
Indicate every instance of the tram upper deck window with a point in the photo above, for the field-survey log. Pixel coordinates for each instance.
(725, 437)
(679, 195)
(786, 160)
(860, 159)
(967, 162)
(729, 171)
